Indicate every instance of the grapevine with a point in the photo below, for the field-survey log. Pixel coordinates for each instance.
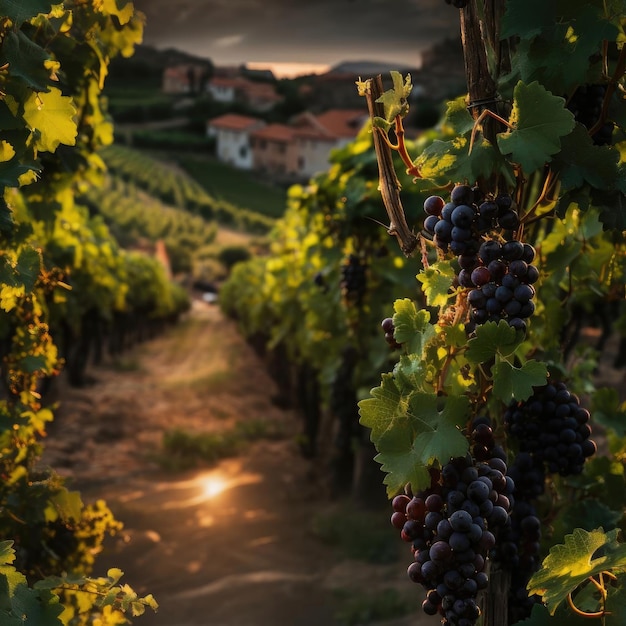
(484, 248)
(512, 215)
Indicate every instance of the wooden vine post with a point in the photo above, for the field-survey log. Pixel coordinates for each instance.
(482, 96)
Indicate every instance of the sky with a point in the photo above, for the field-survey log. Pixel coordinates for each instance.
(312, 32)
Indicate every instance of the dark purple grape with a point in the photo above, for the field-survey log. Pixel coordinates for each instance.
(446, 212)
(497, 269)
(512, 250)
(509, 220)
(433, 205)
(481, 276)
(468, 262)
(429, 224)
(488, 210)
(443, 230)
(523, 293)
(489, 250)
(503, 294)
(463, 216)
(504, 202)
(388, 327)
(532, 275)
(519, 269)
(462, 194)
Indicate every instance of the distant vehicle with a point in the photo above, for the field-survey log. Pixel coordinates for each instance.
(209, 297)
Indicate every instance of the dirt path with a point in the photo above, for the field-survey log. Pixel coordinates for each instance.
(229, 545)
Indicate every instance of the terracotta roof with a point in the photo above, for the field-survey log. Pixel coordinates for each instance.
(234, 121)
(252, 90)
(275, 132)
(342, 122)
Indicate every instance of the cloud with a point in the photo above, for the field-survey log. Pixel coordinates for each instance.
(228, 41)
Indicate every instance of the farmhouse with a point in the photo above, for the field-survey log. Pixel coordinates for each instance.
(294, 151)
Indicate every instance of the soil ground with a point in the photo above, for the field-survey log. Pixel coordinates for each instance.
(228, 544)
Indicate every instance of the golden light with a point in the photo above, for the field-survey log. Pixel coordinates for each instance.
(213, 485)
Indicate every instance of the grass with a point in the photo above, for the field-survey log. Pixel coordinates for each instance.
(183, 450)
(236, 186)
(357, 533)
(368, 606)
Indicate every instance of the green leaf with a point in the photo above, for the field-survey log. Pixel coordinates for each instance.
(438, 422)
(527, 18)
(430, 433)
(122, 9)
(51, 114)
(381, 410)
(580, 161)
(7, 553)
(444, 161)
(540, 616)
(510, 382)
(492, 339)
(67, 504)
(26, 60)
(411, 327)
(587, 514)
(21, 10)
(538, 119)
(436, 283)
(395, 100)
(609, 410)
(29, 266)
(568, 565)
(412, 432)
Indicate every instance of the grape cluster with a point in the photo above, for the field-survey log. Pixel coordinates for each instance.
(518, 548)
(353, 279)
(586, 105)
(452, 527)
(499, 275)
(501, 278)
(388, 329)
(458, 225)
(553, 428)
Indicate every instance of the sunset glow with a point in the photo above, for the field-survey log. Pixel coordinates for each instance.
(290, 70)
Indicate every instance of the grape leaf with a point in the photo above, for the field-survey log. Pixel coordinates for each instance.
(528, 18)
(28, 266)
(122, 9)
(609, 411)
(410, 432)
(538, 119)
(612, 207)
(492, 339)
(430, 434)
(7, 553)
(411, 327)
(52, 115)
(437, 422)
(395, 100)
(436, 282)
(540, 616)
(587, 514)
(26, 60)
(381, 410)
(21, 10)
(580, 161)
(568, 565)
(402, 467)
(510, 382)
